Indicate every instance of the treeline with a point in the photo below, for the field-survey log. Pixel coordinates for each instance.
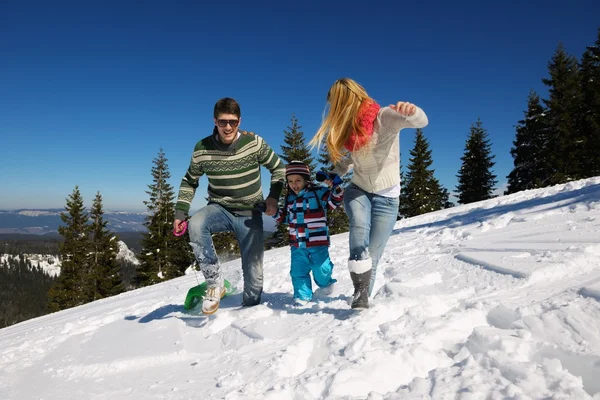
(17, 243)
(29, 244)
(24, 284)
(23, 290)
(557, 141)
(90, 269)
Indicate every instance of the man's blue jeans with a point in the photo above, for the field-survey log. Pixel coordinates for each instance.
(249, 232)
(372, 219)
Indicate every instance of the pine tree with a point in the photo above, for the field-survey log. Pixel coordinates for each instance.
(565, 144)
(69, 290)
(475, 178)
(531, 159)
(295, 148)
(163, 256)
(421, 192)
(105, 276)
(590, 110)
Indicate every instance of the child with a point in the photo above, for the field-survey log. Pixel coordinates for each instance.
(305, 214)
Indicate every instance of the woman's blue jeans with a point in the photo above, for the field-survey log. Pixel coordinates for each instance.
(372, 219)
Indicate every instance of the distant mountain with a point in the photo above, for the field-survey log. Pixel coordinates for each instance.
(44, 221)
(47, 221)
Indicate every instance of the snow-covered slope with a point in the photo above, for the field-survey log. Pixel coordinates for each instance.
(492, 300)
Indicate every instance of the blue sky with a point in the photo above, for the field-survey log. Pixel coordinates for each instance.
(90, 91)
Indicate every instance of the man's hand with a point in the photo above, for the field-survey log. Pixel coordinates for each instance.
(247, 133)
(177, 227)
(271, 204)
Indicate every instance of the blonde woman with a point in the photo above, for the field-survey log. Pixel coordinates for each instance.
(362, 135)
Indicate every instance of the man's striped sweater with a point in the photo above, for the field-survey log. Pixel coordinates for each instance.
(233, 173)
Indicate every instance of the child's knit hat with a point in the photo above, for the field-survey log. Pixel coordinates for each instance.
(298, 168)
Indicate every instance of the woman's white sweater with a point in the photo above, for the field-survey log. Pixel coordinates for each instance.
(377, 166)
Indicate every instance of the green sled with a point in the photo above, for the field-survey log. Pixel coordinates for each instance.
(196, 294)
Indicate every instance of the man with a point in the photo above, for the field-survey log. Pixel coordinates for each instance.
(231, 161)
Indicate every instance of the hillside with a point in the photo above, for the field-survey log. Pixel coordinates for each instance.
(492, 300)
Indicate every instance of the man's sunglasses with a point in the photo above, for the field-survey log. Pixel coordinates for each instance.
(223, 122)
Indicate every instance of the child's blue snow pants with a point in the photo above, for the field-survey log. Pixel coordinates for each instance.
(305, 260)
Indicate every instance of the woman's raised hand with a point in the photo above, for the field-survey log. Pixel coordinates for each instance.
(404, 108)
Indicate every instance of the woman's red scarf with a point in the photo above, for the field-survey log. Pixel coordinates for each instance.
(367, 113)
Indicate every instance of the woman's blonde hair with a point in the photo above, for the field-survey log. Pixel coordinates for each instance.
(344, 99)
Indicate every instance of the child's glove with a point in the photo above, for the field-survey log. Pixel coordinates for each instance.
(323, 175)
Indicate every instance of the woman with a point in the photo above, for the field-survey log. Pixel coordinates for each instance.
(360, 134)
